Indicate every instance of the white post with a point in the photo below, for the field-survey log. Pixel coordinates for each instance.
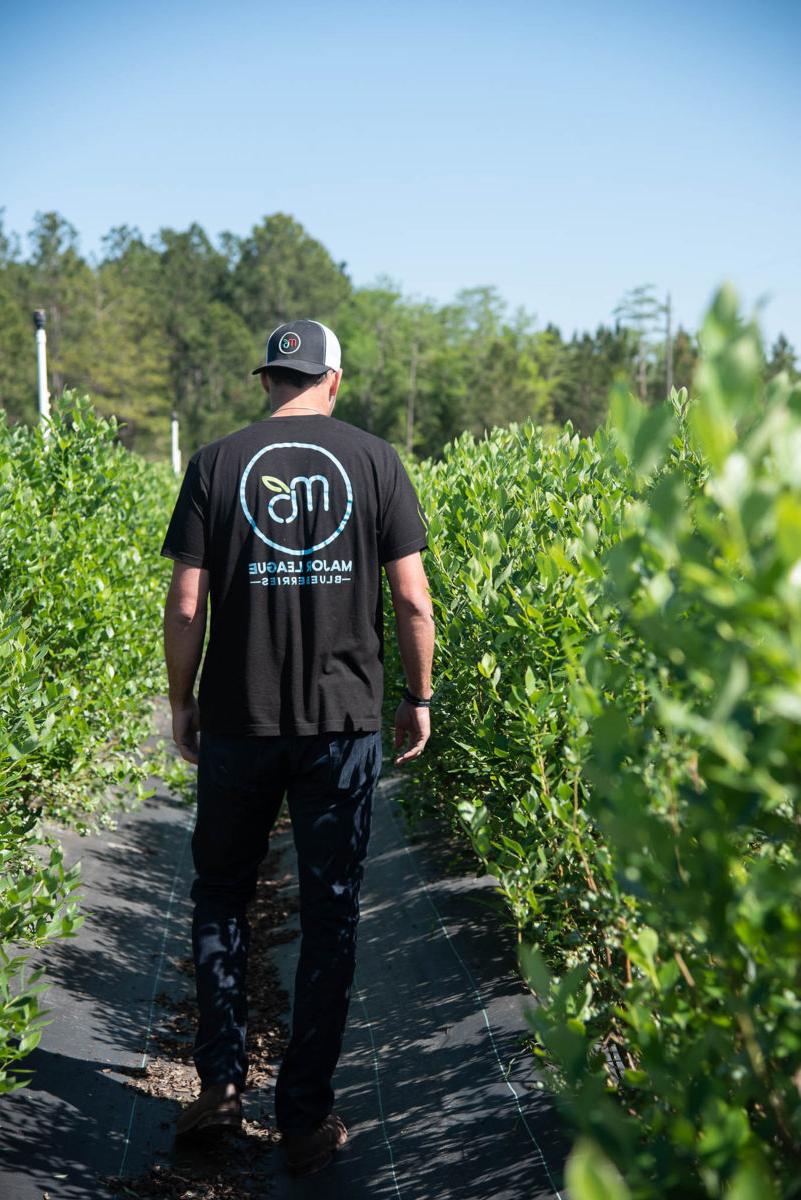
(176, 449)
(41, 366)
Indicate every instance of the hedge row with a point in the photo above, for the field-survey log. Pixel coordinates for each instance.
(618, 731)
(81, 590)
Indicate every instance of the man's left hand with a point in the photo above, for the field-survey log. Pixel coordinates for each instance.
(185, 728)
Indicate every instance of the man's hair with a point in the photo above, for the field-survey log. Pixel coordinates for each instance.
(286, 377)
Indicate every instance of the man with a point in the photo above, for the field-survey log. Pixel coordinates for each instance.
(285, 525)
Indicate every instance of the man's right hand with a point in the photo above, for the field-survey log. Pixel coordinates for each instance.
(415, 723)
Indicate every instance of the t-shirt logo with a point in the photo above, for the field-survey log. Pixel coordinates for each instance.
(290, 342)
(299, 499)
(289, 494)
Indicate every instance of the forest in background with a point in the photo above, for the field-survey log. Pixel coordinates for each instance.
(177, 322)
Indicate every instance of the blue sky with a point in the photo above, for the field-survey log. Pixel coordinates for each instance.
(563, 152)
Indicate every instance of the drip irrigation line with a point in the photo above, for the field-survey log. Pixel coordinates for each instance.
(156, 981)
(541, 1159)
(378, 1093)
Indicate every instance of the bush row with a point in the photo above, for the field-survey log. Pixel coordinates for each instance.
(618, 731)
(81, 589)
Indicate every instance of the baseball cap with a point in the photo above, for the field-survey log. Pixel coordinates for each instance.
(306, 346)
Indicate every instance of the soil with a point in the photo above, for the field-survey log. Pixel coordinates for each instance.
(222, 1164)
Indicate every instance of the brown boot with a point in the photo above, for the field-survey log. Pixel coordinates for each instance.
(219, 1104)
(309, 1152)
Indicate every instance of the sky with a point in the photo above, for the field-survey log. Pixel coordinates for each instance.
(561, 152)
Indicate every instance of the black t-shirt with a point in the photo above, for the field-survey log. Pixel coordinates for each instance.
(293, 518)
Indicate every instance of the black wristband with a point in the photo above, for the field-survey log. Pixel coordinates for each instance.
(417, 701)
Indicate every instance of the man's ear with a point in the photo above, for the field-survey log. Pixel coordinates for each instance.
(265, 381)
(332, 395)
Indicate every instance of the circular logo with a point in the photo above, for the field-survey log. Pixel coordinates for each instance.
(289, 343)
(296, 497)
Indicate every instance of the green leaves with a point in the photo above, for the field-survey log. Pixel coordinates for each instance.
(641, 432)
(727, 380)
(752, 1181)
(534, 970)
(788, 527)
(80, 659)
(619, 670)
(590, 1175)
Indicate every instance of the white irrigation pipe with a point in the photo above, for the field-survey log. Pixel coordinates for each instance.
(41, 369)
(175, 446)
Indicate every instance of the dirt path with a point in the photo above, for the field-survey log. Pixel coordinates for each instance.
(439, 1100)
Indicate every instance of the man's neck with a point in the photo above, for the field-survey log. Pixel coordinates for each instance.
(290, 409)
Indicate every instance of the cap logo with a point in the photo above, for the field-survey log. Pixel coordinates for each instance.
(290, 342)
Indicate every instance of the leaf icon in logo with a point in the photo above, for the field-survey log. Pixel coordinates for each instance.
(274, 484)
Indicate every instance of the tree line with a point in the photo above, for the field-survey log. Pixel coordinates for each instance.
(176, 323)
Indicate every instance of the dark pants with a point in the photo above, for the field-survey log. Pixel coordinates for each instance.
(329, 779)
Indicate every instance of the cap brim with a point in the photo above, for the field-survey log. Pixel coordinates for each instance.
(294, 364)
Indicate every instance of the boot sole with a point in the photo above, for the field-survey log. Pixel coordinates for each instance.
(308, 1166)
(209, 1121)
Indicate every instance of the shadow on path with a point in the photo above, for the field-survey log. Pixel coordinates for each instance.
(440, 1101)
(74, 1119)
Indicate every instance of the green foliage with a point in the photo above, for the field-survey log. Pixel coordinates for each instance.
(514, 521)
(591, 1176)
(177, 323)
(618, 731)
(37, 904)
(415, 373)
(128, 361)
(81, 582)
(281, 272)
(699, 791)
(642, 314)
(81, 590)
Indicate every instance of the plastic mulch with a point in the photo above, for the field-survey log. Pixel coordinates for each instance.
(440, 1099)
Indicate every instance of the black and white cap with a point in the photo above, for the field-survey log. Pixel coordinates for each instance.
(306, 346)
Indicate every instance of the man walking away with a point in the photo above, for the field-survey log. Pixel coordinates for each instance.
(284, 526)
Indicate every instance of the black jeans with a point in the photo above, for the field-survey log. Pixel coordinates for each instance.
(329, 780)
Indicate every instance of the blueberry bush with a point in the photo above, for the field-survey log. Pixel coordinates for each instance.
(81, 589)
(617, 730)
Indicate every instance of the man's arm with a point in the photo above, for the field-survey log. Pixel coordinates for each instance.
(184, 630)
(414, 618)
